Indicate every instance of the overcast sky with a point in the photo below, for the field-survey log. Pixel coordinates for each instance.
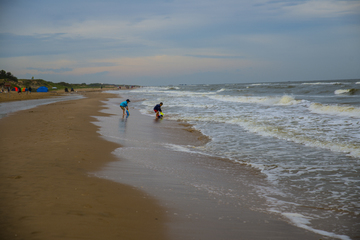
(162, 42)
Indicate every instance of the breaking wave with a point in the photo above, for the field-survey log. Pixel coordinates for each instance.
(348, 111)
(345, 91)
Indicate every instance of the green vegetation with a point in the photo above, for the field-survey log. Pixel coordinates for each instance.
(7, 77)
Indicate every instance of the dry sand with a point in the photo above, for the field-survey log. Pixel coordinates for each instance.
(45, 190)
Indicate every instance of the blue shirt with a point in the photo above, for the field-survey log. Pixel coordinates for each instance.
(124, 104)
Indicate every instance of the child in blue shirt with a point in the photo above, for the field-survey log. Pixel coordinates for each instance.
(124, 105)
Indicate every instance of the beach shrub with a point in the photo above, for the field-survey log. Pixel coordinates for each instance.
(8, 76)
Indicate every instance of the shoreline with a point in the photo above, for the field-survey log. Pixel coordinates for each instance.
(197, 191)
(46, 191)
(71, 203)
(14, 96)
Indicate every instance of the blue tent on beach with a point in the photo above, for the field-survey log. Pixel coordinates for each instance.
(42, 89)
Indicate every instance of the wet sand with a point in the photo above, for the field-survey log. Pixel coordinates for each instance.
(14, 96)
(45, 190)
(50, 155)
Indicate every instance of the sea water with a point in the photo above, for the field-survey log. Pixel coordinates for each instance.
(304, 137)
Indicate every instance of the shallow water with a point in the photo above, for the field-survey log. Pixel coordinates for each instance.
(303, 137)
(209, 197)
(308, 160)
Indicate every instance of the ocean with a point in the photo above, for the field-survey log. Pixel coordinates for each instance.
(303, 137)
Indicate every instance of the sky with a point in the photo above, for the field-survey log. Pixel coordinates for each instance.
(170, 42)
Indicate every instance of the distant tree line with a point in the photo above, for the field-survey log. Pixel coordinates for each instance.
(15, 82)
(7, 75)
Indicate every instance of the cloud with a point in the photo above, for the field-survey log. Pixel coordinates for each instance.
(214, 56)
(307, 9)
(47, 70)
(12, 45)
(152, 67)
(150, 39)
(170, 66)
(322, 8)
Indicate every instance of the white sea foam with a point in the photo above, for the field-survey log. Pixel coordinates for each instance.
(348, 111)
(154, 90)
(187, 149)
(283, 100)
(270, 130)
(190, 105)
(323, 83)
(345, 91)
(172, 88)
(288, 100)
(304, 222)
(259, 84)
(165, 90)
(145, 112)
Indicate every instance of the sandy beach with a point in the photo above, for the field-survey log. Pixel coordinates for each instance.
(14, 96)
(52, 153)
(46, 193)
